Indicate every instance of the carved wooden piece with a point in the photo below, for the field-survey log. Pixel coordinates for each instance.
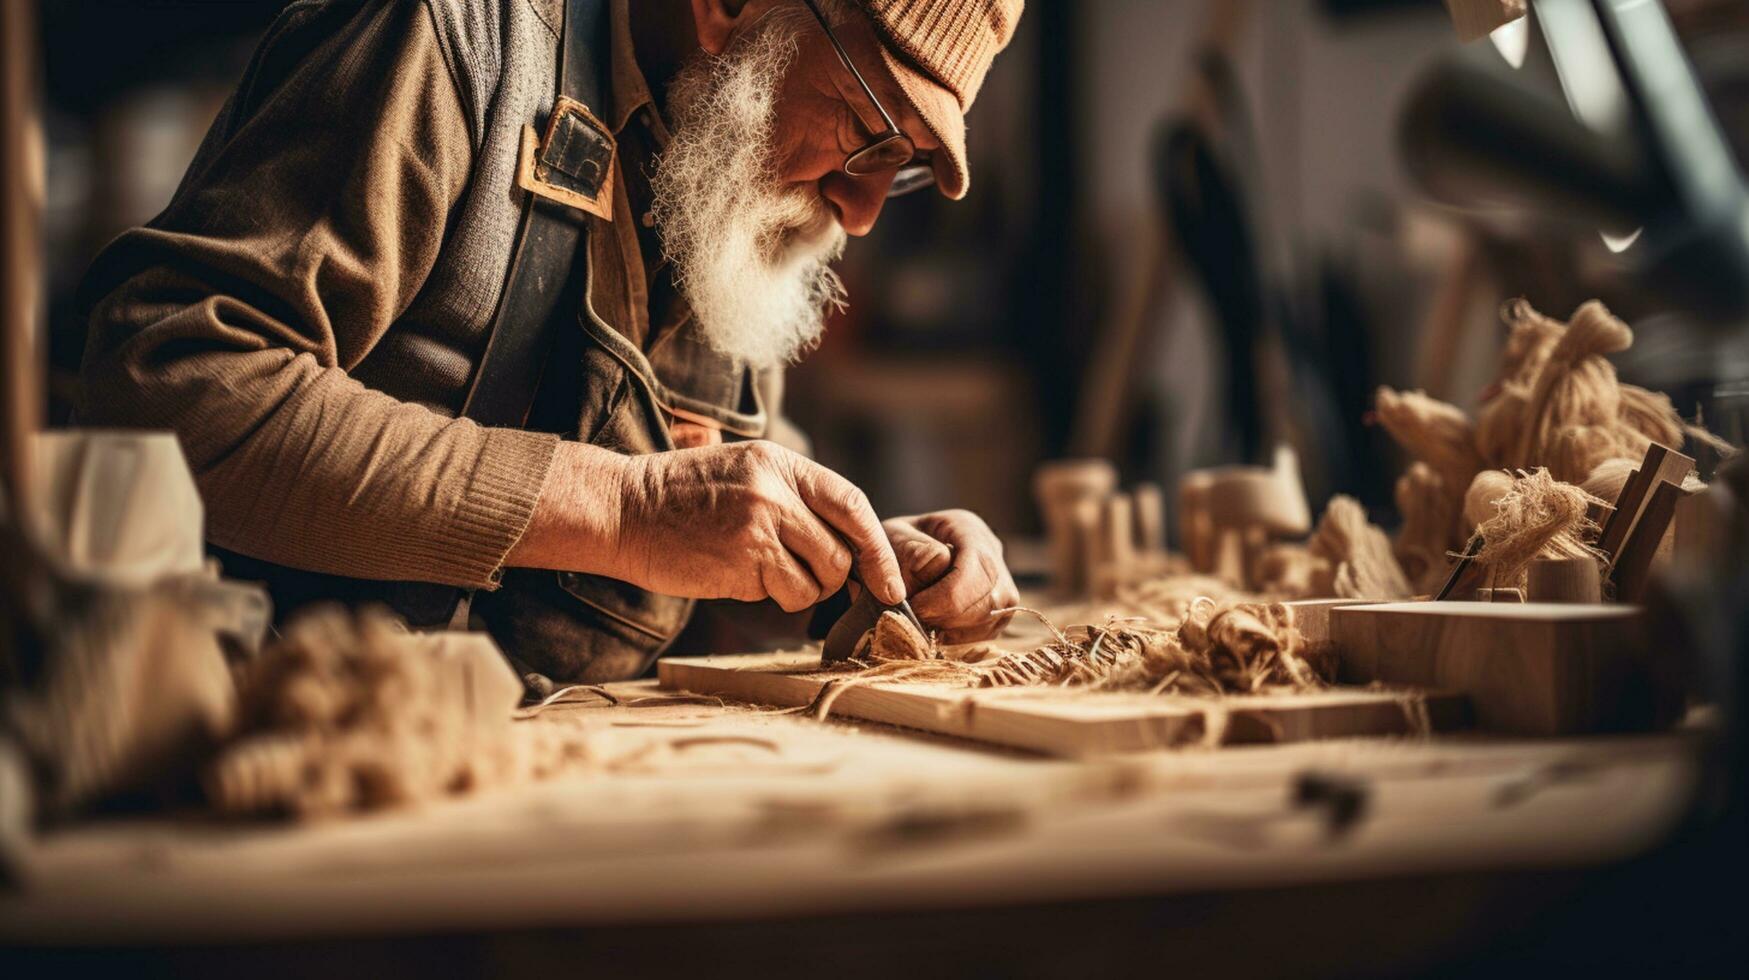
(1060, 487)
(1530, 669)
(1072, 724)
(1114, 549)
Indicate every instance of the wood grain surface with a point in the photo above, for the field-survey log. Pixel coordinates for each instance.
(1069, 723)
(1530, 668)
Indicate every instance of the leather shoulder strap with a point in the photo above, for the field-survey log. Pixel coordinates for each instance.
(577, 150)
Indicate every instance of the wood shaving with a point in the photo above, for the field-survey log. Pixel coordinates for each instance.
(1214, 647)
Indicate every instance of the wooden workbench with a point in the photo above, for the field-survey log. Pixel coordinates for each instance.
(719, 814)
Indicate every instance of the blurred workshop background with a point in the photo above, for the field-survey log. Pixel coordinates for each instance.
(1191, 234)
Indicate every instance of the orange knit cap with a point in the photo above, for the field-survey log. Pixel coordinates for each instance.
(939, 51)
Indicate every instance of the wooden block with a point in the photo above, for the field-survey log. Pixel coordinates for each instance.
(1633, 566)
(1312, 616)
(1565, 580)
(1529, 669)
(1058, 722)
(475, 678)
(1660, 463)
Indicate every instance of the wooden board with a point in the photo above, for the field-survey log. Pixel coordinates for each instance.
(1067, 723)
(1660, 465)
(1632, 570)
(1530, 668)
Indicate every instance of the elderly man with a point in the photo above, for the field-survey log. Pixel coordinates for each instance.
(479, 308)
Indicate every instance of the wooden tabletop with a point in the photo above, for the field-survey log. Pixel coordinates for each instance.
(699, 812)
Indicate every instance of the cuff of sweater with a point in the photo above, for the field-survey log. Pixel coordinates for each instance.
(498, 503)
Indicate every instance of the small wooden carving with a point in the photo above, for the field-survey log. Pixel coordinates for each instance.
(1228, 514)
(1114, 550)
(1060, 487)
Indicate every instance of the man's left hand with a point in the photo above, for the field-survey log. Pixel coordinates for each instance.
(953, 569)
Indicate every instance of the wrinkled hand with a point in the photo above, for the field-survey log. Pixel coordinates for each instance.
(954, 572)
(748, 521)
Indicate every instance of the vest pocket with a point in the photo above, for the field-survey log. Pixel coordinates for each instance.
(580, 628)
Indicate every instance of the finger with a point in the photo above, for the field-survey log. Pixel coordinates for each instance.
(961, 595)
(822, 552)
(923, 561)
(985, 625)
(787, 582)
(977, 620)
(1007, 596)
(841, 505)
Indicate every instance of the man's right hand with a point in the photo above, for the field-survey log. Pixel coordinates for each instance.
(746, 521)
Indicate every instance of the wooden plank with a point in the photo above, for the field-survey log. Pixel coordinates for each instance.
(1532, 668)
(1067, 723)
(1633, 566)
(1660, 463)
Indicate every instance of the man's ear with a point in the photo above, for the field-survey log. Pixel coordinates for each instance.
(716, 20)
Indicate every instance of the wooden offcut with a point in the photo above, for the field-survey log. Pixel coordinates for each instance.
(1632, 570)
(1661, 464)
(1530, 668)
(1061, 722)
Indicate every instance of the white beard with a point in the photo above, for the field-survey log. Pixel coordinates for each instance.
(752, 257)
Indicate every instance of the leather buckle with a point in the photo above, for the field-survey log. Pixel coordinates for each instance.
(573, 164)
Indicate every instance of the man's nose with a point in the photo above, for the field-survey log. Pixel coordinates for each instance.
(858, 200)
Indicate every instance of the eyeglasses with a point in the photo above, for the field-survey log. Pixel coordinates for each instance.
(888, 149)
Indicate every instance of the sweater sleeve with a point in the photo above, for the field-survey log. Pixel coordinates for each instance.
(306, 225)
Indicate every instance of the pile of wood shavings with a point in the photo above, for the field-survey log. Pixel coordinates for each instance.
(343, 715)
(1213, 647)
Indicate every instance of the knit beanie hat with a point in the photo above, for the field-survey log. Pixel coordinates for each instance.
(939, 51)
